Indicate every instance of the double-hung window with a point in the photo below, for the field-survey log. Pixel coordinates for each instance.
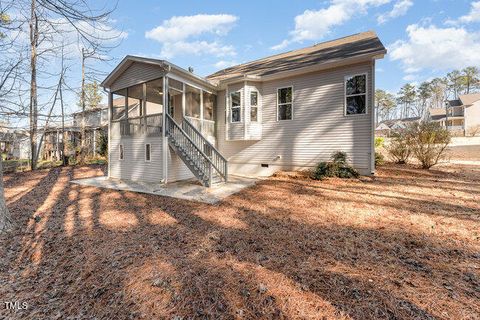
(285, 103)
(235, 107)
(254, 106)
(356, 94)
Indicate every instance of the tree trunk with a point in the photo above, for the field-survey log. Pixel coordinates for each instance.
(64, 159)
(5, 218)
(82, 132)
(33, 85)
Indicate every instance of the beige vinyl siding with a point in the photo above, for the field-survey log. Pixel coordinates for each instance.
(137, 73)
(133, 166)
(472, 117)
(318, 128)
(177, 170)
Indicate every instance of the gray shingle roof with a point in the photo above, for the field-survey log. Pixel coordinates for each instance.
(332, 51)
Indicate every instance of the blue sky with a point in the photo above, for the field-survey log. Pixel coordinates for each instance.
(425, 38)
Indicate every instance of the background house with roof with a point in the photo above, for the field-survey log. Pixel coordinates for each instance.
(460, 116)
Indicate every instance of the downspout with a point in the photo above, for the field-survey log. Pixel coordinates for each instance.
(227, 113)
(110, 115)
(244, 110)
(164, 131)
(372, 125)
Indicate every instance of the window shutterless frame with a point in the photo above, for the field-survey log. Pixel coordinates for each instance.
(254, 105)
(353, 95)
(286, 103)
(232, 107)
(148, 152)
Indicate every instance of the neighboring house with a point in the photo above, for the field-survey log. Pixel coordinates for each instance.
(386, 127)
(287, 111)
(461, 116)
(52, 143)
(14, 144)
(383, 129)
(96, 124)
(403, 123)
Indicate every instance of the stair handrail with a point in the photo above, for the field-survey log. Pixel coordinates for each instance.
(175, 124)
(222, 171)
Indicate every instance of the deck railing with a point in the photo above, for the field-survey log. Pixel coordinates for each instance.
(150, 125)
(198, 162)
(219, 162)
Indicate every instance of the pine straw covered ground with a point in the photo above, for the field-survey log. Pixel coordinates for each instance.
(403, 245)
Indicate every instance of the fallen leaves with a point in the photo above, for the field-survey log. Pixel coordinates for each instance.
(404, 244)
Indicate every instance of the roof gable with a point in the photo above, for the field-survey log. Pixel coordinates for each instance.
(468, 99)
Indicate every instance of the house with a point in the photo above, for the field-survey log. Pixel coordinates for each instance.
(387, 127)
(460, 116)
(96, 125)
(382, 129)
(52, 141)
(14, 144)
(287, 111)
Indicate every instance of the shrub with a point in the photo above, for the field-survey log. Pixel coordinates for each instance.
(379, 159)
(103, 144)
(398, 148)
(379, 142)
(338, 167)
(427, 141)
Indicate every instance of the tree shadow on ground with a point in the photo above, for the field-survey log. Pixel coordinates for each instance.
(280, 249)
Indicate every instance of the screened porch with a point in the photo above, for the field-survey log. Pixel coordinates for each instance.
(138, 109)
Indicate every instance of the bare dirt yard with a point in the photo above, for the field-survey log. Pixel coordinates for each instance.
(469, 153)
(402, 245)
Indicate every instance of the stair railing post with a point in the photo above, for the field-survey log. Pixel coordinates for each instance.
(226, 170)
(210, 174)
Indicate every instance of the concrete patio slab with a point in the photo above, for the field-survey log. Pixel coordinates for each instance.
(187, 189)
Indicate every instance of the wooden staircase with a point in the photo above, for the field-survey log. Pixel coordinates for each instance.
(199, 155)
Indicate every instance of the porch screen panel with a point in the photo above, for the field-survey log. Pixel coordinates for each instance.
(118, 101)
(174, 101)
(154, 103)
(192, 103)
(209, 105)
(135, 97)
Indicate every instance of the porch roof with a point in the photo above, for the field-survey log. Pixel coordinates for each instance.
(167, 66)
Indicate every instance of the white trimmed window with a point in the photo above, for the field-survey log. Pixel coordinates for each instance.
(148, 152)
(120, 154)
(285, 103)
(254, 106)
(235, 107)
(356, 94)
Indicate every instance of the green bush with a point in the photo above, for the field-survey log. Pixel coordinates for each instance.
(338, 167)
(428, 142)
(398, 149)
(379, 159)
(103, 144)
(379, 142)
